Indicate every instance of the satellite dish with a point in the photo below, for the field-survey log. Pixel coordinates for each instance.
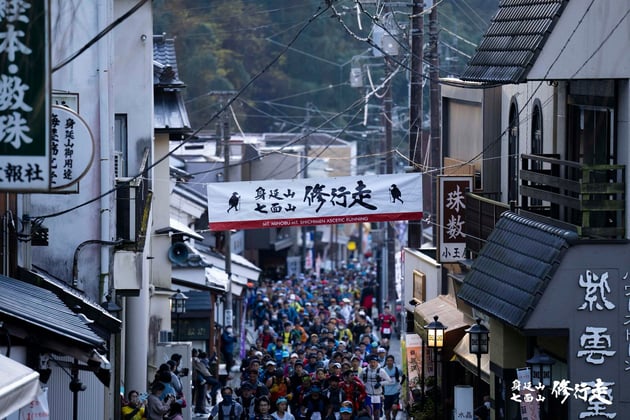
(178, 253)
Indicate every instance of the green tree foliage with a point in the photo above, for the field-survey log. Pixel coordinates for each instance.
(223, 44)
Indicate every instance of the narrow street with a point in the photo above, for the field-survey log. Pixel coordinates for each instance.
(235, 378)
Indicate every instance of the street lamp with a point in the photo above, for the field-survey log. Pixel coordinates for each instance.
(435, 340)
(540, 365)
(178, 307)
(478, 344)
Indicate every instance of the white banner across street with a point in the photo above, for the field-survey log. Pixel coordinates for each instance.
(309, 202)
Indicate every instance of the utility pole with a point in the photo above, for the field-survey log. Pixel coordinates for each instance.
(387, 288)
(414, 232)
(229, 312)
(389, 169)
(304, 229)
(223, 139)
(436, 138)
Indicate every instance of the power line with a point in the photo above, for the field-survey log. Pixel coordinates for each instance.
(100, 35)
(194, 134)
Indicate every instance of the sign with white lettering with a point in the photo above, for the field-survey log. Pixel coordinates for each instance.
(309, 202)
(71, 148)
(451, 220)
(24, 96)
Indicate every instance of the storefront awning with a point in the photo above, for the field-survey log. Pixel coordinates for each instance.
(469, 361)
(240, 266)
(178, 227)
(220, 278)
(207, 278)
(448, 314)
(19, 386)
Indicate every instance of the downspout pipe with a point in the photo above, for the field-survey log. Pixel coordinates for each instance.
(106, 132)
(75, 259)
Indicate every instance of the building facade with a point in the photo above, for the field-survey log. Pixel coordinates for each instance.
(547, 96)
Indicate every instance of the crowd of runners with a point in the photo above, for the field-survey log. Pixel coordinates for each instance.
(321, 352)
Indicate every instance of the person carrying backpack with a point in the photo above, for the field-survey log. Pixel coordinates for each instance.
(354, 389)
(391, 392)
(228, 408)
(374, 377)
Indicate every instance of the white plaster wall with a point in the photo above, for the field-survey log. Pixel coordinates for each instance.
(418, 261)
(588, 42)
(73, 25)
(525, 95)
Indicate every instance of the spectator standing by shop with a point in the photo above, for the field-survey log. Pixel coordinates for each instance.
(203, 378)
(134, 409)
(483, 411)
(156, 408)
(228, 342)
(176, 383)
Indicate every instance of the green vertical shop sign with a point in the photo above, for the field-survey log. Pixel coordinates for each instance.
(24, 95)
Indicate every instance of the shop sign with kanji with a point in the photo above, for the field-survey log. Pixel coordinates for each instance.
(24, 96)
(451, 217)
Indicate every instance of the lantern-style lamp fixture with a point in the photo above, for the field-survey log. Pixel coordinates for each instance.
(541, 364)
(435, 333)
(178, 302)
(478, 338)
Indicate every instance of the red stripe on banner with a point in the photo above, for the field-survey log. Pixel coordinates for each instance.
(313, 221)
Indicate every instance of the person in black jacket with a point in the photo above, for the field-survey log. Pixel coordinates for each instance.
(483, 411)
(228, 342)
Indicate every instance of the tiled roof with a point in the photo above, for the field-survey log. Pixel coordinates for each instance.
(74, 298)
(198, 301)
(515, 266)
(40, 311)
(170, 112)
(514, 39)
(165, 71)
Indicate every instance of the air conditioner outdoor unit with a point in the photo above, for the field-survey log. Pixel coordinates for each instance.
(119, 165)
(166, 336)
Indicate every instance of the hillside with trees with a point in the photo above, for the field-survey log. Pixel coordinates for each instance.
(301, 53)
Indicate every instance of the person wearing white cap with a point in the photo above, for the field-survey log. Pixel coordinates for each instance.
(374, 377)
(382, 354)
(345, 310)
